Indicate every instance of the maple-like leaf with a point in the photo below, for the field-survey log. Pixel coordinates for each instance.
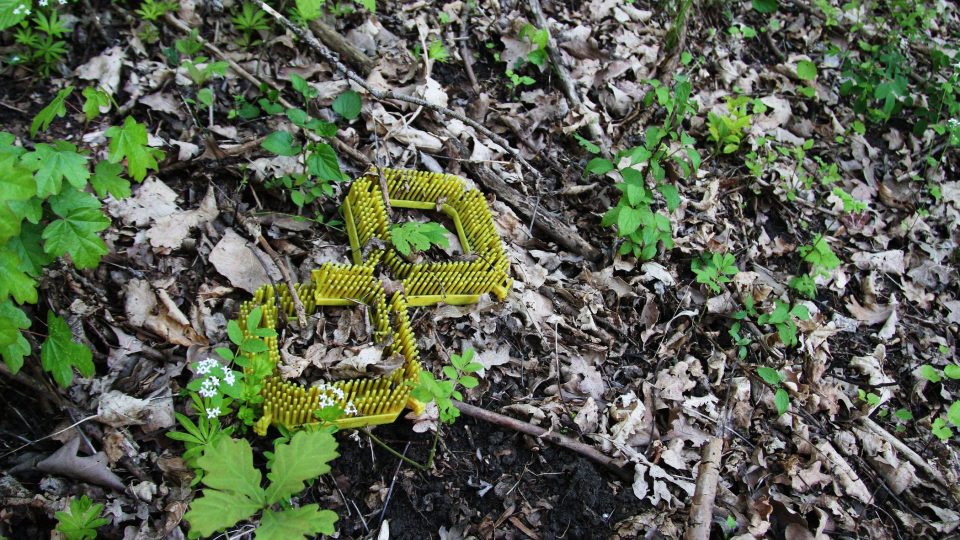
(14, 281)
(13, 346)
(106, 179)
(305, 457)
(306, 521)
(228, 466)
(417, 236)
(59, 354)
(81, 522)
(53, 164)
(130, 142)
(16, 180)
(217, 510)
(28, 246)
(76, 232)
(56, 108)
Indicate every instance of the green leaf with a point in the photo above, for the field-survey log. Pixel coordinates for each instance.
(306, 521)
(782, 401)
(347, 105)
(94, 101)
(806, 70)
(953, 415)
(469, 381)
(56, 108)
(322, 163)
(228, 466)
(281, 143)
(130, 142)
(310, 9)
(629, 220)
(81, 522)
(54, 163)
(769, 375)
(106, 180)
(76, 234)
(927, 371)
(16, 180)
(304, 458)
(764, 6)
(598, 166)
(671, 195)
(217, 510)
(418, 236)
(234, 332)
(14, 281)
(586, 144)
(952, 371)
(59, 354)
(13, 346)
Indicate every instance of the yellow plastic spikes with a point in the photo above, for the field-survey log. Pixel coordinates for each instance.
(481, 268)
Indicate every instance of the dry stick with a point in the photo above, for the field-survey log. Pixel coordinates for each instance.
(382, 95)
(465, 52)
(701, 510)
(285, 272)
(566, 83)
(331, 38)
(560, 440)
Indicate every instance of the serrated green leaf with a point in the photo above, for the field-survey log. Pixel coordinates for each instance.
(14, 281)
(9, 221)
(56, 108)
(228, 466)
(280, 143)
(310, 9)
(28, 246)
(217, 510)
(59, 355)
(82, 520)
(53, 164)
(348, 105)
(306, 521)
(106, 180)
(769, 375)
(418, 236)
(782, 401)
(130, 142)
(16, 180)
(304, 458)
(629, 220)
(322, 163)
(76, 234)
(13, 346)
(95, 102)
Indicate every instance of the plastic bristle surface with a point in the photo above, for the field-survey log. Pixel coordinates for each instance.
(482, 268)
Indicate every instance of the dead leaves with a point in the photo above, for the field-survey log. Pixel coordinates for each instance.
(93, 469)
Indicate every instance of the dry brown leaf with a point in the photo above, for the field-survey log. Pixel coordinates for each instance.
(92, 469)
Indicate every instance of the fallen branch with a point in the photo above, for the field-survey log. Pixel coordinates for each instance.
(701, 510)
(585, 450)
(285, 272)
(382, 95)
(332, 39)
(564, 235)
(567, 85)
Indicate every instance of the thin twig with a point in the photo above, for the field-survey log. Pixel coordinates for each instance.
(701, 510)
(585, 450)
(382, 95)
(465, 52)
(386, 503)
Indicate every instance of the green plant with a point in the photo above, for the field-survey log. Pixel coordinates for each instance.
(415, 236)
(82, 520)
(807, 72)
(712, 269)
(939, 427)
(347, 105)
(249, 21)
(515, 80)
(201, 69)
(152, 10)
(642, 228)
(727, 130)
(197, 436)
(46, 212)
(234, 493)
(783, 319)
(538, 37)
(444, 391)
(190, 45)
(41, 41)
(781, 398)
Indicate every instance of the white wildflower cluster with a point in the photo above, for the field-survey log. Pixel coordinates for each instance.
(213, 412)
(22, 9)
(214, 373)
(331, 395)
(953, 123)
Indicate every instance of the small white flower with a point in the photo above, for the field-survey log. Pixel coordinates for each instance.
(229, 377)
(26, 10)
(16, 10)
(325, 402)
(213, 381)
(213, 413)
(953, 122)
(350, 409)
(43, 3)
(337, 392)
(207, 392)
(204, 366)
(63, 2)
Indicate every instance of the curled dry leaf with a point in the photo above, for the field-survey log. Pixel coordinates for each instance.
(92, 469)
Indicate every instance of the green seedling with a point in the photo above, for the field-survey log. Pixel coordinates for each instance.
(82, 520)
(713, 269)
(781, 398)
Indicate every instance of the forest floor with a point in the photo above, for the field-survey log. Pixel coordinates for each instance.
(730, 225)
